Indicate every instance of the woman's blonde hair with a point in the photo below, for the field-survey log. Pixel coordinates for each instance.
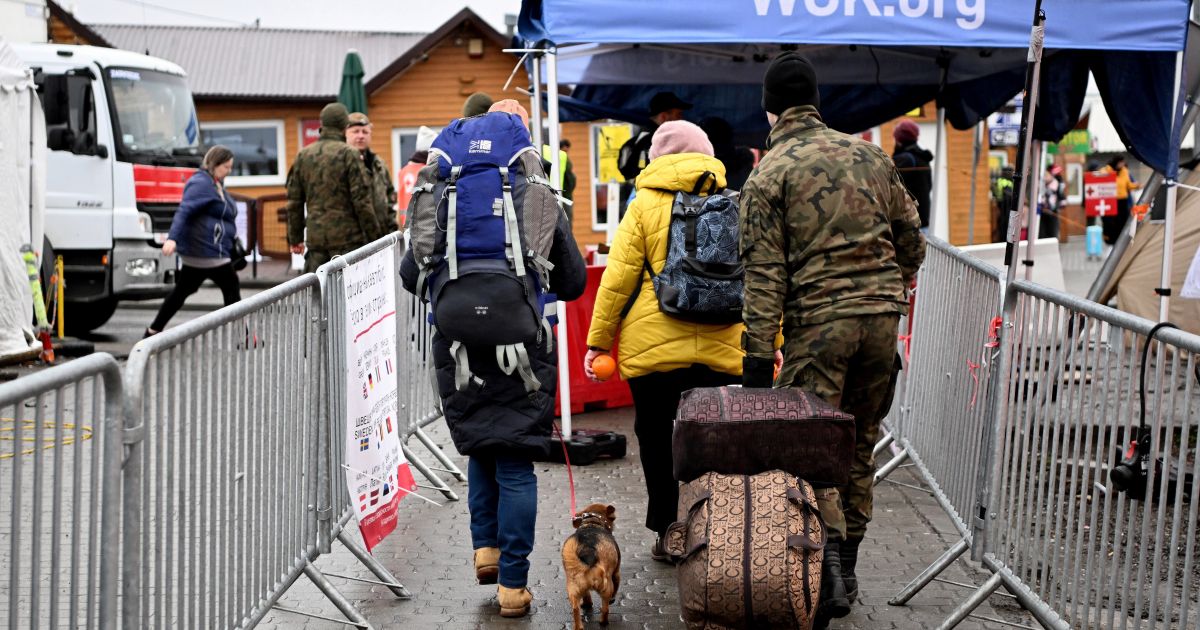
(216, 156)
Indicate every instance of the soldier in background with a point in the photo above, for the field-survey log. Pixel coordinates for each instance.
(329, 193)
(383, 192)
(830, 240)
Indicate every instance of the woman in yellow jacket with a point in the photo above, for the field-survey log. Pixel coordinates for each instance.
(660, 356)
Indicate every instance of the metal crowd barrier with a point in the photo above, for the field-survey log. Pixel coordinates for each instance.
(1077, 552)
(225, 470)
(60, 454)
(942, 413)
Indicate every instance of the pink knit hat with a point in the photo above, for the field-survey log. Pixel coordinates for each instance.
(679, 136)
(512, 107)
(906, 131)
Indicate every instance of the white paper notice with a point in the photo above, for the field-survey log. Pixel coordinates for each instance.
(1191, 286)
(378, 476)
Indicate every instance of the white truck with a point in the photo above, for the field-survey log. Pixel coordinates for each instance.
(123, 138)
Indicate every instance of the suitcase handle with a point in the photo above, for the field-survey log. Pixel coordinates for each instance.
(676, 538)
(803, 541)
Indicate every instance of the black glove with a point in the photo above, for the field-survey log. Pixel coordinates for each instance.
(758, 372)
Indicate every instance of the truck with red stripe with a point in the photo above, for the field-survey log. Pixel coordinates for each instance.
(123, 139)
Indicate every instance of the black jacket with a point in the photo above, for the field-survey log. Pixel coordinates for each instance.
(913, 163)
(501, 416)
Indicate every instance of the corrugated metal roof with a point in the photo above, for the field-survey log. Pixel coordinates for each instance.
(261, 62)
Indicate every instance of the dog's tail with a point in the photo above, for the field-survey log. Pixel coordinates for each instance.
(587, 555)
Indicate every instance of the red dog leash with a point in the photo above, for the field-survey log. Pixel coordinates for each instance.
(570, 475)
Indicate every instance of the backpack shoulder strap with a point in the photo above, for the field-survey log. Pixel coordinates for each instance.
(452, 221)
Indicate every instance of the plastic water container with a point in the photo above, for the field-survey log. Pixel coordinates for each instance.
(1095, 241)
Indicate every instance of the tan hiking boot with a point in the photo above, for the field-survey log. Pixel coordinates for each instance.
(514, 602)
(487, 565)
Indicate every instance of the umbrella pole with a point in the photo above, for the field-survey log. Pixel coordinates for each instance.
(564, 366)
(1164, 286)
(974, 182)
(1024, 159)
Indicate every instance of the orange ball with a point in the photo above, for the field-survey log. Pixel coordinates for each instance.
(604, 366)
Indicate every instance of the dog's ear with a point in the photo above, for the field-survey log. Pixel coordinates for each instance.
(576, 522)
(611, 513)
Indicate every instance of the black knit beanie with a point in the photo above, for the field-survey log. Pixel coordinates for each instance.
(790, 82)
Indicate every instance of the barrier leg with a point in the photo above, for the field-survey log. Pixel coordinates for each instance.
(386, 578)
(436, 449)
(353, 617)
(929, 574)
(891, 466)
(437, 482)
(977, 598)
(883, 443)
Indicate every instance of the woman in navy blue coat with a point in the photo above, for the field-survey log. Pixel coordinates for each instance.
(203, 234)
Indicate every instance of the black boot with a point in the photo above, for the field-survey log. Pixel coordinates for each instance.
(849, 554)
(833, 604)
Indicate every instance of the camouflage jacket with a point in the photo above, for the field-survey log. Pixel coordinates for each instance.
(828, 231)
(383, 191)
(329, 178)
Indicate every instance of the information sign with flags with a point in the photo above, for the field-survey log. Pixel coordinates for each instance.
(1100, 194)
(377, 474)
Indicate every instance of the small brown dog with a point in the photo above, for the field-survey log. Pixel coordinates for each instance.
(592, 561)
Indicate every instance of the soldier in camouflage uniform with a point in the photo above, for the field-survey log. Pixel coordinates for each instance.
(328, 180)
(830, 241)
(383, 191)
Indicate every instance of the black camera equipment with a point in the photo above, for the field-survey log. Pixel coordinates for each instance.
(1130, 473)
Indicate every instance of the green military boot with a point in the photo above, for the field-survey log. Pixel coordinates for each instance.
(833, 603)
(849, 557)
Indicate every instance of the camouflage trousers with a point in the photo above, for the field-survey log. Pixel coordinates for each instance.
(315, 258)
(852, 364)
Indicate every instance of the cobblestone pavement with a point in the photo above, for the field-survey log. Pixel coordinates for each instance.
(430, 552)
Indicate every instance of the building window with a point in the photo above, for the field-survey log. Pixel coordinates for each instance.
(258, 148)
(607, 139)
(404, 144)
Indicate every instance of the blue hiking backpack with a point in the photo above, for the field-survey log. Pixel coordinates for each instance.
(702, 280)
(481, 225)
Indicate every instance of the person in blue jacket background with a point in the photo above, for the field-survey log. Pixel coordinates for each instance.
(203, 234)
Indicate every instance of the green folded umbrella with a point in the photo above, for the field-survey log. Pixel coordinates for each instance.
(352, 94)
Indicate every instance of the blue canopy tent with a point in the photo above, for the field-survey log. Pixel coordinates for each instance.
(876, 59)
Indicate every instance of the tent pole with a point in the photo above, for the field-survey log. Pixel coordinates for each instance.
(535, 108)
(564, 365)
(939, 220)
(1035, 219)
(974, 182)
(1164, 286)
(1024, 158)
(1149, 191)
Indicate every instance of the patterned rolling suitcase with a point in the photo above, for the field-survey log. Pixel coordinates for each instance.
(749, 551)
(746, 431)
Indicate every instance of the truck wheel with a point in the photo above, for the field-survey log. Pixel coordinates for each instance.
(83, 317)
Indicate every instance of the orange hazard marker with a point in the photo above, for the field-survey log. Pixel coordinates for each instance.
(604, 366)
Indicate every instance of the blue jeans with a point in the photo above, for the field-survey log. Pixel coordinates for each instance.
(502, 497)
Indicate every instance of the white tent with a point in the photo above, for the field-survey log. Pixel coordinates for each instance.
(1141, 266)
(22, 196)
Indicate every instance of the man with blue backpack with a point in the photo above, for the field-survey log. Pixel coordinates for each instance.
(488, 241)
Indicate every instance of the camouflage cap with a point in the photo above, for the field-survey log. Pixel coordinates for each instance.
(359, 119)
(335, 116)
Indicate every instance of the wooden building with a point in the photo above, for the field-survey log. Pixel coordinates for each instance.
(260, 91)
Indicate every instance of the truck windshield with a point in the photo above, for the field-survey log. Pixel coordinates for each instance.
(154, 112)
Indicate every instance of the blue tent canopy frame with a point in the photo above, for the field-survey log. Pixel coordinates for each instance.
(876, 59)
